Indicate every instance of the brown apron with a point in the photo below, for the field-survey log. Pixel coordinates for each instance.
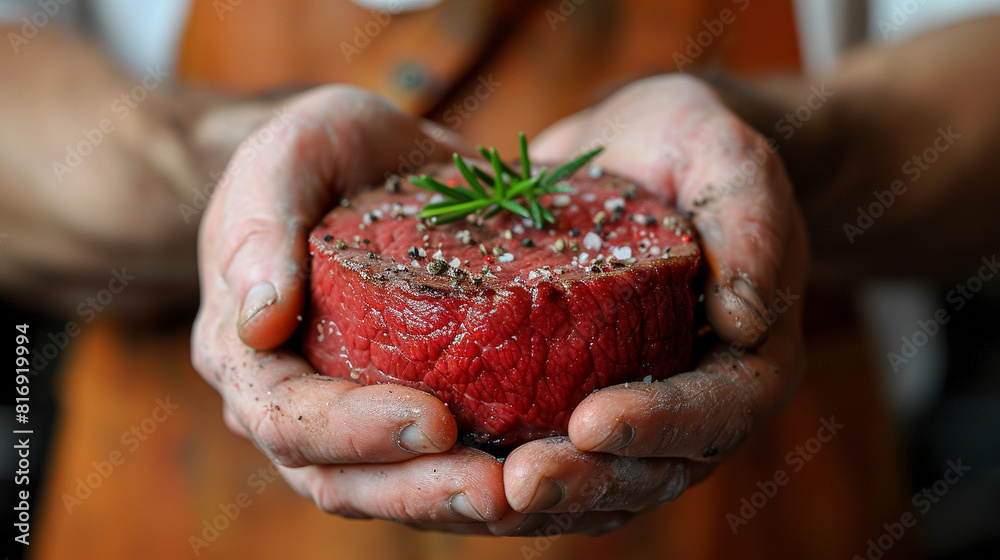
(192, 489)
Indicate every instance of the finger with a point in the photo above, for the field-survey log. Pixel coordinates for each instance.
(702, 415)
(743, 211)
(554, 476)
(460, 486)
(552, 526)
(323, 145)
(298, 418)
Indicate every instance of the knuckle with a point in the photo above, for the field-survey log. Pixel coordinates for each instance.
(353, 450)
(270, 435)
(674, 482)
(674, 85)
(247, 238)
(400, 509)
(733, 433)
(327, 499)
(730, 418)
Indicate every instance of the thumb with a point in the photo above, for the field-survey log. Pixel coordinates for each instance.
(320, 147)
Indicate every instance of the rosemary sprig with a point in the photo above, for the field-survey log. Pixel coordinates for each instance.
(506, 189)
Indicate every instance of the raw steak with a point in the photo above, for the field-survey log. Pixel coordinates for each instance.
(509, 325)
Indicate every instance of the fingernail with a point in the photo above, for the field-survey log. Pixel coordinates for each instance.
(460, 505)
(621, 437)
(532, 523)
(260, 296)
(412, 439)
(754, 323)
(548, 495)
(749, 295)
(514, 523)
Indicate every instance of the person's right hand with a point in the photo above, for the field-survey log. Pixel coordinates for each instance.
(382, 451)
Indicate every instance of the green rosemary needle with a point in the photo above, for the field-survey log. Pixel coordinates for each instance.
(487, 194)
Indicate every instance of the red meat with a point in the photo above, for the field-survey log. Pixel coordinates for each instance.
(509, 325)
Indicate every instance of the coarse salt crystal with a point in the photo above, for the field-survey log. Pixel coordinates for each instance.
(561, 200)
(592, 241)
(455, 262)
(505, 258)
(612, 204)
(438, 256)
(621, 253)
(584, 257)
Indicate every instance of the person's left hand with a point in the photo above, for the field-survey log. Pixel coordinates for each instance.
(634, 447)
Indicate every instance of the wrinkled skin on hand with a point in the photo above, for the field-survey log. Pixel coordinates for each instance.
(387, 451)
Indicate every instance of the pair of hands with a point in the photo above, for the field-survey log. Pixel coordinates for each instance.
(389, 452)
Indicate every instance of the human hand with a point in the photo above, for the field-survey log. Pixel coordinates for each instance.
(104, 176)
(381, 451)
(673, 135)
